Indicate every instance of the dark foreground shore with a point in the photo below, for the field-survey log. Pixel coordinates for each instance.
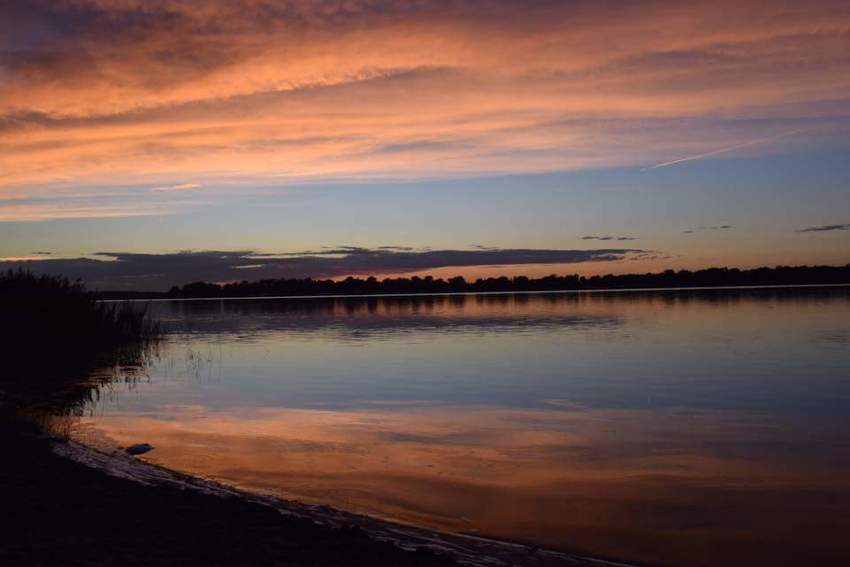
(58, 512)
(65, 504)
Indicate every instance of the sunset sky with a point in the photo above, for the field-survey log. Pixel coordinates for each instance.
(145, 143)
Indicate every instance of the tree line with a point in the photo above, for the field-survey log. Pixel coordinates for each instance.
(711, 277)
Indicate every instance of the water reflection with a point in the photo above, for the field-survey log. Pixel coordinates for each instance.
(631, 483)
(698, 427)
(373, 318)
(486, 312)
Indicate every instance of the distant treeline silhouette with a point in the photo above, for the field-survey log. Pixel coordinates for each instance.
(711, 277)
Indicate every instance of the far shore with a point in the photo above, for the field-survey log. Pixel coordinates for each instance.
(115, 297)
(372, 286)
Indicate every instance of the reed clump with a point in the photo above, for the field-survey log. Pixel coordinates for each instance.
(52, 331)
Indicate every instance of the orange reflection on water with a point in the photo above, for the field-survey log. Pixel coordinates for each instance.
(660, 485)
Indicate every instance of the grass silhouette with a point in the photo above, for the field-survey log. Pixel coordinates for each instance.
(54, 333)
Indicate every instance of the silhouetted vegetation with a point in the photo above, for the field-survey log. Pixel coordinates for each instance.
(712, 277)
(54, 333)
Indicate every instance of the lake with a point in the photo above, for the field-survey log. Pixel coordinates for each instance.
(706, 427)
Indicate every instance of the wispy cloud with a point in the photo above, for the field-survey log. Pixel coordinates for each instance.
(15, 259)
(607, 237)
(179, 187)
(725, 150)
(50, 211)
(99, 93)
(714, 227)
(118, 203)
(826, 228)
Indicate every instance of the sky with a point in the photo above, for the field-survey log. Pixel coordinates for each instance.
(147, 143)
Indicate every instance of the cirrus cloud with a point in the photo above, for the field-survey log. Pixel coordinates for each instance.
(178, 187)
(95, 93)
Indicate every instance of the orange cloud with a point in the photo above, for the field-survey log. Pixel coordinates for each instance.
(178, 187)
(266, 92)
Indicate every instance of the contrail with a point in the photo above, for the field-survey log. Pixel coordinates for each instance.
(722, 150)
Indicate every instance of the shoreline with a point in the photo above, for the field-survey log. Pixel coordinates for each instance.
(61, 511)
(73, 504)
(456, 548)
(474, 293)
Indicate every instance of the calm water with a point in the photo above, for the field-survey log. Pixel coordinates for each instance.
(671, 427)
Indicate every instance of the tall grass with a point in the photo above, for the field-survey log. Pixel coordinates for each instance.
(53, 333)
